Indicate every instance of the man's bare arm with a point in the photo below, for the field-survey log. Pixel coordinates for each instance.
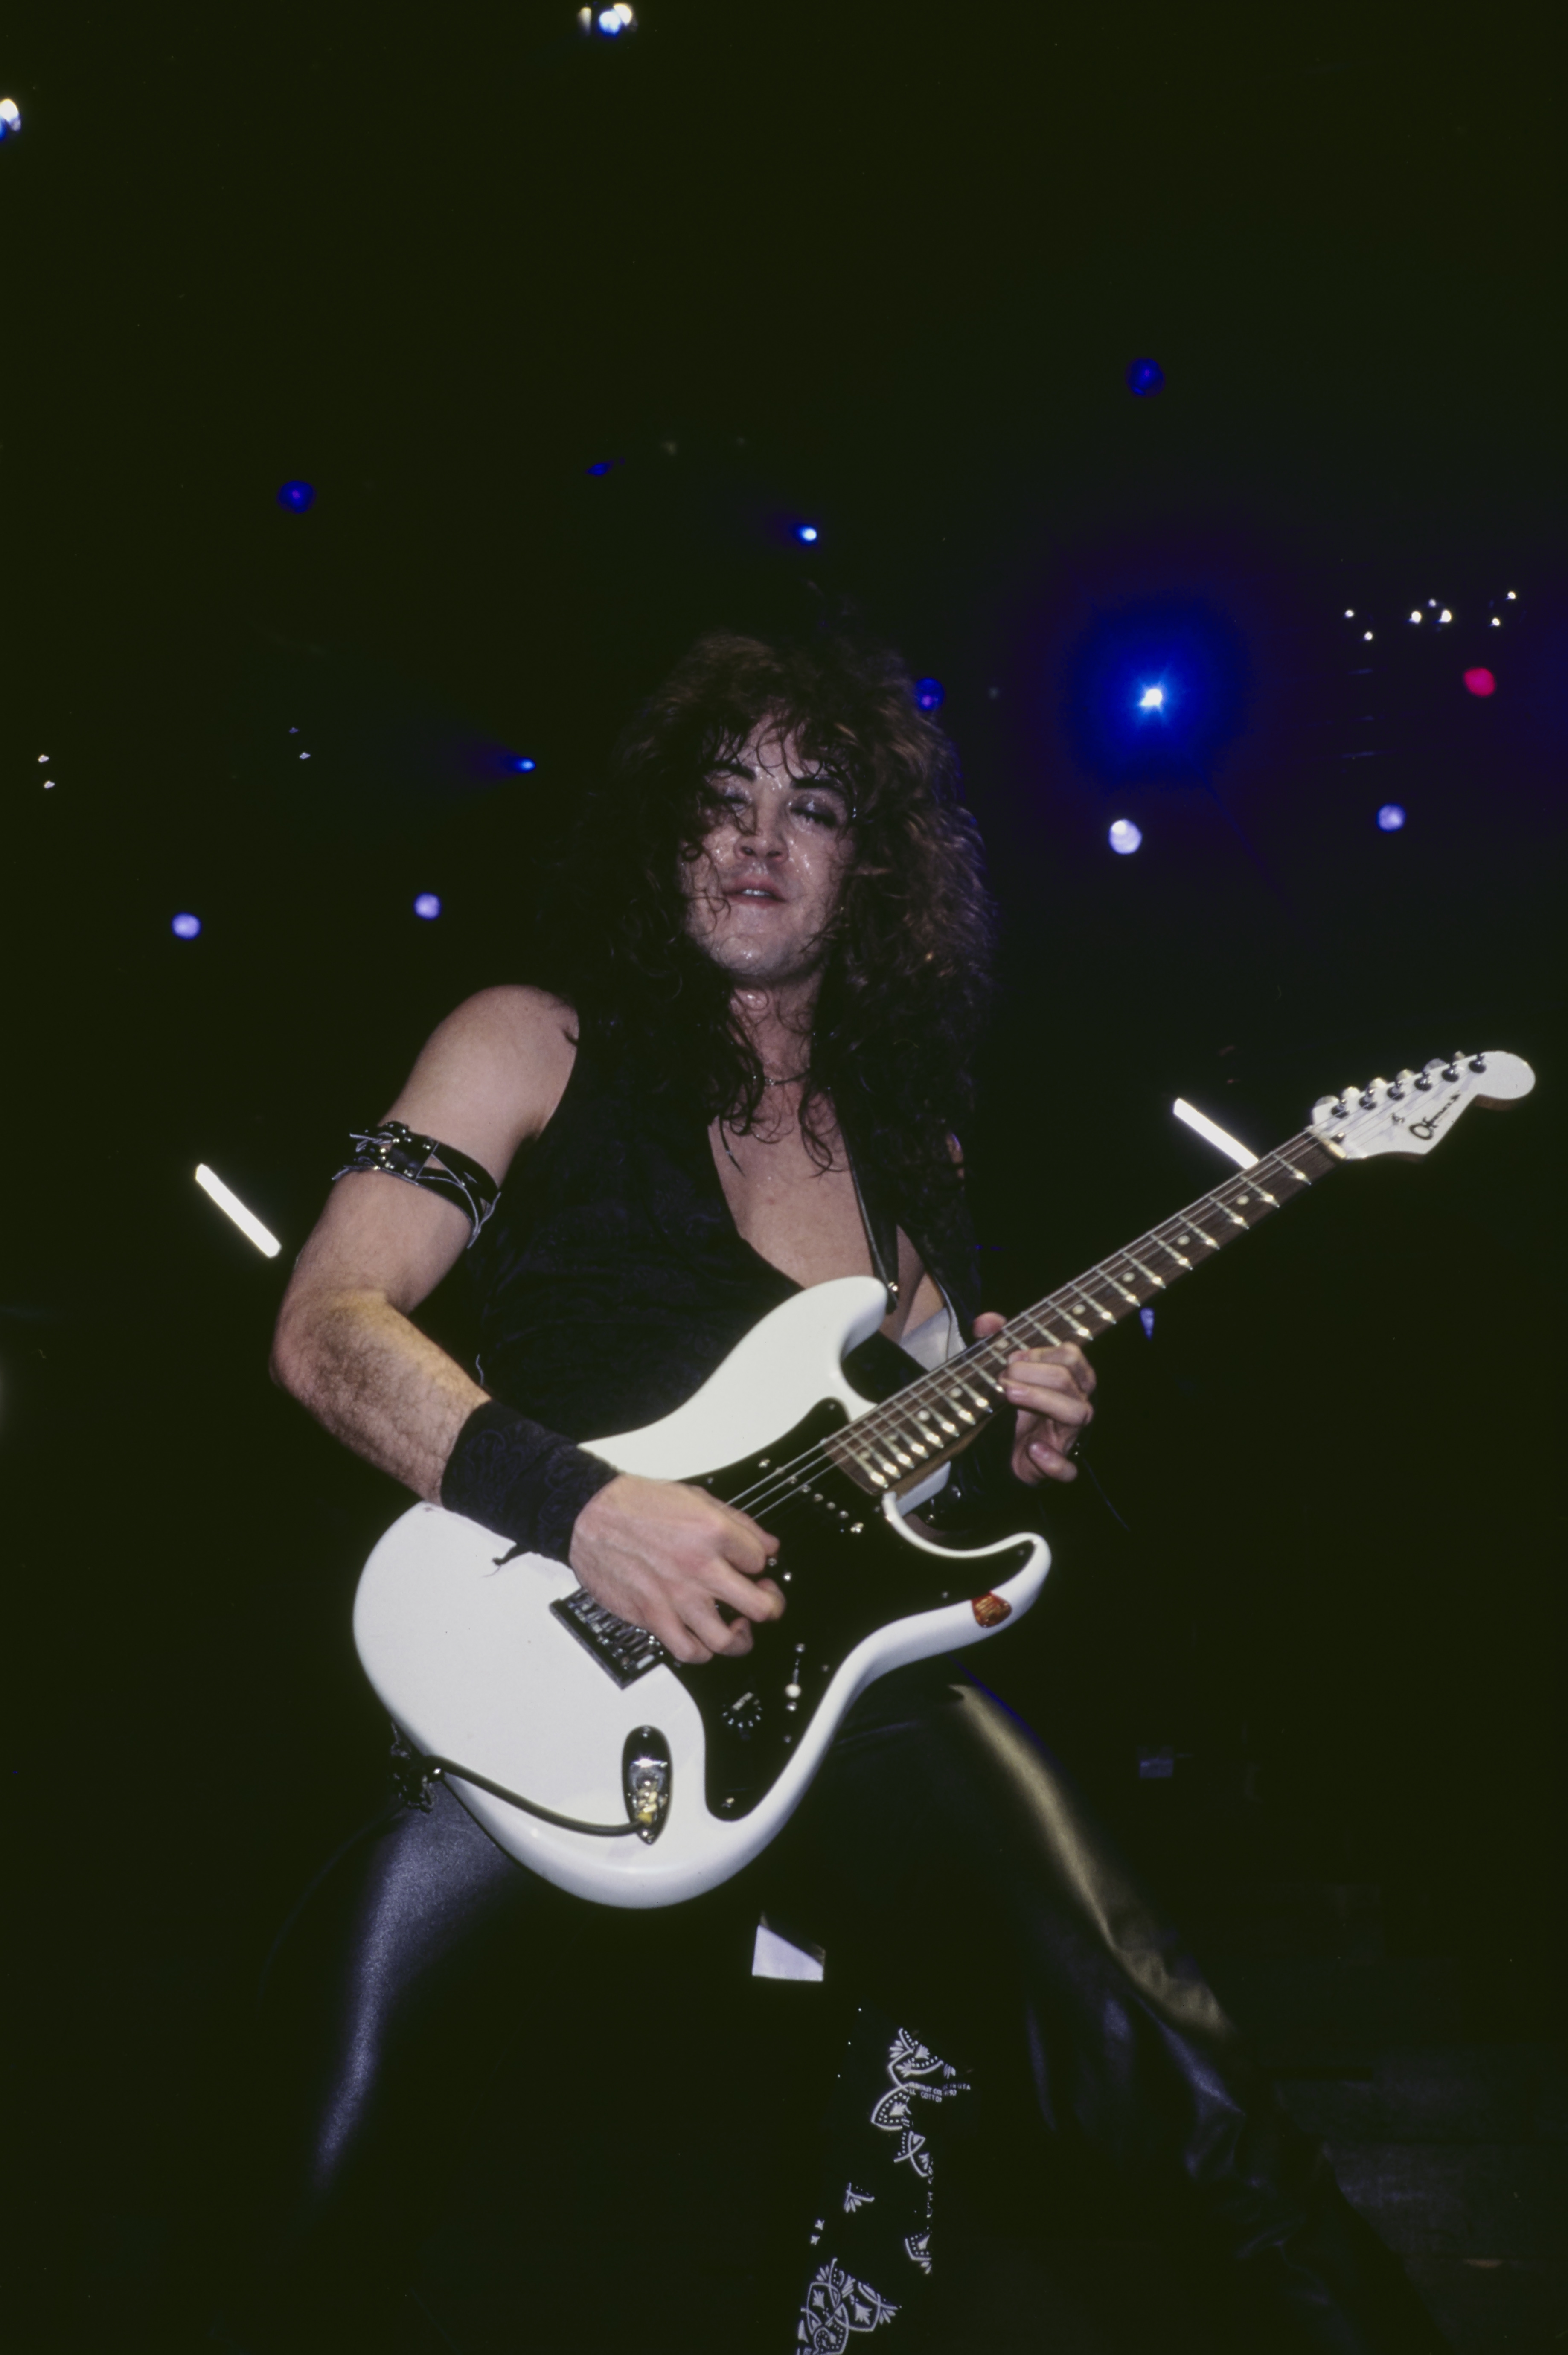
(486, 1084)
(667, 1557)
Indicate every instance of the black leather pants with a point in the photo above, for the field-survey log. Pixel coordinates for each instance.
(954, 1880)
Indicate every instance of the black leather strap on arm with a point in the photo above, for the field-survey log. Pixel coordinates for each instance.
(397, 1152)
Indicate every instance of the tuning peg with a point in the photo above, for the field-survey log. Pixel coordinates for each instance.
(1478, 1062)
(1451, 1068)
(1396, 1092)
(1342, 1105)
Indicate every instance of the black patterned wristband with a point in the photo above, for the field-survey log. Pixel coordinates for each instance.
(524, 1482)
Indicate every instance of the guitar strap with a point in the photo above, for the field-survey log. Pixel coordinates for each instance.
(880, 1222)
(881, 1228)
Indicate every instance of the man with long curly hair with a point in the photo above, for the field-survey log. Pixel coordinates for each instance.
(769, 964)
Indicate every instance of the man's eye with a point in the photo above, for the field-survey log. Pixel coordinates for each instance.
(823, 813)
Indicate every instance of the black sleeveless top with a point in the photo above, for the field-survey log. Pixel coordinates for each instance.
(610, 1278)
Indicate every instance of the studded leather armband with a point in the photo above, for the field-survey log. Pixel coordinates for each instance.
(397, 1151)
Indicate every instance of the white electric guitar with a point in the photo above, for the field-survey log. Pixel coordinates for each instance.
(621, 1775)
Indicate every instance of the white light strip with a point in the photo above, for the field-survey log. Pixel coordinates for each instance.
(1215, 1134)
(249, 1226)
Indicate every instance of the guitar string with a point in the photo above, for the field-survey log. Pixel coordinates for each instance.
(785, 1480)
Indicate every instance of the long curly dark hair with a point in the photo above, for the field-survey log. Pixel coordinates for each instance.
(907, 976)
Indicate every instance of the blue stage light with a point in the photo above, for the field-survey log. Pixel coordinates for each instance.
(428, 906)
(806, 531)
(1124, 836)
(186, 928)
(296, 496)
(1155, 690)
(1391, 817)
(1145, 377)
(10, 118)
(520, 765)
(1146, 1318)
(599, 467)
(930, 694)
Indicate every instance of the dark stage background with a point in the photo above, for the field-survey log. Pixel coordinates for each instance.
(569, 336)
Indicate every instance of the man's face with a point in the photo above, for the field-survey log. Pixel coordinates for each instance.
(763, 890)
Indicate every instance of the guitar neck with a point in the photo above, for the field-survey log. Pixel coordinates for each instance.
(932, 1418)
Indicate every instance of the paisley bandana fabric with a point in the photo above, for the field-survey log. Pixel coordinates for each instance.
(874, 2231)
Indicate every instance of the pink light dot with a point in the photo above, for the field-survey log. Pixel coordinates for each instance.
(1480, 682)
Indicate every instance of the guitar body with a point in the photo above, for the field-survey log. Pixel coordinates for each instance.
(482, 1665)
(626, 1778)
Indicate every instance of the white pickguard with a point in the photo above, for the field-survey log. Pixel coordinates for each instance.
(470, 1663)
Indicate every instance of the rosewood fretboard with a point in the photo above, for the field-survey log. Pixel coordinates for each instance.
(896, 1443)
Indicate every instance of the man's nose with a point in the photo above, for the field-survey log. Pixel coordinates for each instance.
(763, 830)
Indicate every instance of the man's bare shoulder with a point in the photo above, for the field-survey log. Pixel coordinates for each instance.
(492, 1074)
(512, 1018)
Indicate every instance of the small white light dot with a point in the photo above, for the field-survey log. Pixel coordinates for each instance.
(304, 756)
(49, 784)
(1349, 613)
(1497, 625)
(1366, 634)
(1152, 699)
(43, 759)
(807, 532)
(10, 116)
(1416, 615)
(1124, 836)
(1512, 594)
(1445, 615)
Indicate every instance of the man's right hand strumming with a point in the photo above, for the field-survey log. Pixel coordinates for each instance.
(667, 1557)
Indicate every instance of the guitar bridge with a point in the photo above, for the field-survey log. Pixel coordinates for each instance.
(623, 1651)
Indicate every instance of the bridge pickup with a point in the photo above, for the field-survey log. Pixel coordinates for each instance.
(623, 1651)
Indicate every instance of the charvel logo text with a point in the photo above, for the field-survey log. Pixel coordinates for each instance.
(1427, 1129)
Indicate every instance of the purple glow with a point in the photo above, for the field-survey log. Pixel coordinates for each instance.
(428, 906)
(186, 928)
(1391, 817)
(296, 496)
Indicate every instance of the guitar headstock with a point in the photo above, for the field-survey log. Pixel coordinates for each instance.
(1410, 1113)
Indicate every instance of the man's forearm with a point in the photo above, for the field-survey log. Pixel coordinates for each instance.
(375, 1382)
